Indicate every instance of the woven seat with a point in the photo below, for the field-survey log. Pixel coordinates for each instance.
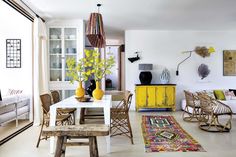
(63, 111)
(193, 102)
(211, 111)
(60, 119)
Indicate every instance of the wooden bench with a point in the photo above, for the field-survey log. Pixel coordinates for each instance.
(90, 131)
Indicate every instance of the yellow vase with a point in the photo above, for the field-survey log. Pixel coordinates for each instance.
(80, 92)
(98, 93)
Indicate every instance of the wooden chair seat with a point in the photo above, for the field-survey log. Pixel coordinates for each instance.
(58, 118)
(66, 110)
(90, 131)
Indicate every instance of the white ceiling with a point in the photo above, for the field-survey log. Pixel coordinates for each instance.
(120, 15)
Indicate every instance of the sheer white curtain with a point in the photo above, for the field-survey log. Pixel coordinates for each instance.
(40, 67)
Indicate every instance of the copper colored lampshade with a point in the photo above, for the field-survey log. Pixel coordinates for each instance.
(95, 31)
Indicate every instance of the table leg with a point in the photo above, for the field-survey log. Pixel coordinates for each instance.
(107, 122)
(52, 123)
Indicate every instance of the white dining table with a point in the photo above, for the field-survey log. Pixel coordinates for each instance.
(72, 102)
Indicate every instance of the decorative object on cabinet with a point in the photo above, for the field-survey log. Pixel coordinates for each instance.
(99, 68)
(133, 59)
(202, 51)
(145, 76)
(95, 30)
(229, 62)
(13, 53)
(91, 87)
(203, 71)
(155, 96)
(165, 76)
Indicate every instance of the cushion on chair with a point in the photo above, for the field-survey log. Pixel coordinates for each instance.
(219, 94)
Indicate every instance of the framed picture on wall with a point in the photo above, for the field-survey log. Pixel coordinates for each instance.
(229, 62)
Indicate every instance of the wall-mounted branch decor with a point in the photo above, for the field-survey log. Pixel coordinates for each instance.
(13, 53)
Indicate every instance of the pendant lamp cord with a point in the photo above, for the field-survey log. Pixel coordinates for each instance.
(98, 5)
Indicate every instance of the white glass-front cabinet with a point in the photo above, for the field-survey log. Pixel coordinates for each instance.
(63, 44)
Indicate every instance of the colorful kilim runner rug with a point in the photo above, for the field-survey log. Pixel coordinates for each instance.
(164, 134)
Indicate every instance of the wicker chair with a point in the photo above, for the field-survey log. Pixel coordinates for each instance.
(120, 123)
(63, 111)
(60, 119)
(193, 103)
(211, 110)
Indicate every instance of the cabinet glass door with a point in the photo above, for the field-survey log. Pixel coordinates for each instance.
(55, 52)
(70, 49)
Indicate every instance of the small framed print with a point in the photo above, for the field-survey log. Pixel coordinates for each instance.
(229, 62)
(13, 53)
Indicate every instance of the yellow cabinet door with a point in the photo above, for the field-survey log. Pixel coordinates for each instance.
(141, 96)
(160, 97)
(151, 96)
(170, 96)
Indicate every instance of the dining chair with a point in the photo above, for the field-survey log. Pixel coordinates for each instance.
(63, 111)
(192, 110)
(120, 122)
(60, 119)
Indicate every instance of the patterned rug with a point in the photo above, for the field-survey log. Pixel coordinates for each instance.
(164, 134)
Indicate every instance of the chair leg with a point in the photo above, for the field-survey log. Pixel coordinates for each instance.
(130, 130)
(39, 138)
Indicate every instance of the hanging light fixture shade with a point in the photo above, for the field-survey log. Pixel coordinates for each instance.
(95, 30)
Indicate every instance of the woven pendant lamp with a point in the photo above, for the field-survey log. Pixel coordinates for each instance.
(95, 30)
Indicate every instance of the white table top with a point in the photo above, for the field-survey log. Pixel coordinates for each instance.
(73, 102)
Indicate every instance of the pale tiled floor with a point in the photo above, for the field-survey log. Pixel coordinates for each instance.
(216, 144)
(9, 128)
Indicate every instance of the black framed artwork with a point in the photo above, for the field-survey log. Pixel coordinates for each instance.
(229, 62)
(13, 53)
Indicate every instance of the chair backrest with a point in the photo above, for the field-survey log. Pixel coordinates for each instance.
(206, 103)
(46, 102)
(128, 99)
(55, 96)
(191, 99)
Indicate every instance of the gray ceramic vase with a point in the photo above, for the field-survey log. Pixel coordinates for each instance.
(165, 76)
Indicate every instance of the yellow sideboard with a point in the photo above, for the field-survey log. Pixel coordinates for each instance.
(155, 96)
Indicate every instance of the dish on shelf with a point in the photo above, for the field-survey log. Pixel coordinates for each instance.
(71, 50)
(55, 36)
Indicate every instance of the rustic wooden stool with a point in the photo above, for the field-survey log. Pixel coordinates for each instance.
(90, 131)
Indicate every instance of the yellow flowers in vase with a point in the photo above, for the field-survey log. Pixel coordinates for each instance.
(91, 64)
(100, 67)
(77, 72)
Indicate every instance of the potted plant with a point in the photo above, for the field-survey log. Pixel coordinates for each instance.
(77, 72)
(99, 68)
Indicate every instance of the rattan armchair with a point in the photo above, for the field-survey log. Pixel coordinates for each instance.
(60, 119)
(211, 111)
(120, 122)
(192, 102)
(63, 111)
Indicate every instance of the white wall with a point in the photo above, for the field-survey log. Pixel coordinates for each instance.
(15, 26)
(163, 49)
